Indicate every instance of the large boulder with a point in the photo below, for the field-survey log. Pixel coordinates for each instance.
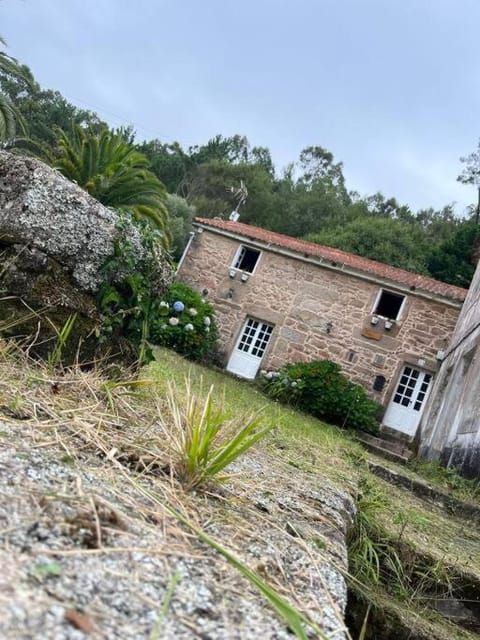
(54, 241)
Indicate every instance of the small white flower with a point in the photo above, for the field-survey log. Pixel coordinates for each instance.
(164, 304)
(189, 327)
(206, 321)
(193, 312)
(294, 384)
(263, 372)
(173, 322)
(269, 375)
(207, 329)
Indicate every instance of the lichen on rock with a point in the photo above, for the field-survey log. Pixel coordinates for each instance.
(55, 239)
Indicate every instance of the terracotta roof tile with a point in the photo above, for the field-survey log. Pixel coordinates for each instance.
(371, 267)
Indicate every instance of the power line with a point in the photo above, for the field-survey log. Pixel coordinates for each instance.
(121, 121)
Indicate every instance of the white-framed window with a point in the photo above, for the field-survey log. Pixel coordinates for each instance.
(246, 259)
(389, 305)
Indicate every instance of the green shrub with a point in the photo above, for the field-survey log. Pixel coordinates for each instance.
(185, 322)
(132, 305)
(129, 297)
(320, 389)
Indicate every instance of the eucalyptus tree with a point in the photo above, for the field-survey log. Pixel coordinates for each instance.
(471, 175)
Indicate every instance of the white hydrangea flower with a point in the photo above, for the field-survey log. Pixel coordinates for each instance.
(173, 322)
(193, 312)
(207, 321)
(164, 304)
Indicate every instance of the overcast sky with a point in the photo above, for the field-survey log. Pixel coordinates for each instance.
(390, 87)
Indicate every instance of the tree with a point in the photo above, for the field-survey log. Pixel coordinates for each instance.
(393, 242)
(379, 205)
(9, 114)
(438, 226)
(317, 164)
(43, 111)
(208, 188)
(113, 172)
(168, 161)
(453, 261)
(471, 175)
(181, 215)
(306, 209)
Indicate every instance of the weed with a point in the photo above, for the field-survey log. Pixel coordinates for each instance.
(157, 629)
(364, 549)
(114, 389)
(46, 570)
(55, 356)
(205, 439)
(405, 518)
(448, 478)
(379, 560)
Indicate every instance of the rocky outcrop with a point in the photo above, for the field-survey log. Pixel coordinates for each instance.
(54, 240)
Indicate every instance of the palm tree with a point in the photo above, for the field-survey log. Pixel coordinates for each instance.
(9, 115)
(114, 172)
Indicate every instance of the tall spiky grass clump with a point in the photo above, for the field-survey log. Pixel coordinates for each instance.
(202, 437)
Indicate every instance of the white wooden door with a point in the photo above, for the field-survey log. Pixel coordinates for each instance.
(250, 348)
(405, 408)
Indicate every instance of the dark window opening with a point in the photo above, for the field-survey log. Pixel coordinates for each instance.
(389, 305)
(379, 383)
(247, 259)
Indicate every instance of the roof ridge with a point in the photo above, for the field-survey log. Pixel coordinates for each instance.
(396, 274)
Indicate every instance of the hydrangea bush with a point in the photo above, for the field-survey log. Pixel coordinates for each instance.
(185, 322)
(320, 389)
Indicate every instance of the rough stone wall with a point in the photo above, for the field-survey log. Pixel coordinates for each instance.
(450, 429)
(317, 313)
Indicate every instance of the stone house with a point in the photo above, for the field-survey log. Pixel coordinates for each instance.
(279, 299)
(450, 429)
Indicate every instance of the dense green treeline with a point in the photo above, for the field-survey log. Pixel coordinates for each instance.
(308, 199)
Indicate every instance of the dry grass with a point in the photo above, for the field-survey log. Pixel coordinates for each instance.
(118, 428)
(84, 414)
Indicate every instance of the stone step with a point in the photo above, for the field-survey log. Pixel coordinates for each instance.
(389, 449)
(386, 433)
(434, 495)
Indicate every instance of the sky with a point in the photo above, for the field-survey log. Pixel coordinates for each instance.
(390, 87)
